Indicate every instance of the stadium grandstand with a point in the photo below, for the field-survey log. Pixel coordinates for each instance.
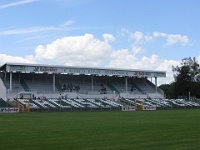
(63, 88)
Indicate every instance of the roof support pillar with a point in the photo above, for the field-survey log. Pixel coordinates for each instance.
(156, 89)
(54, 82)
(92, 81)
(10, 81)
(126, 87)
(19, 77)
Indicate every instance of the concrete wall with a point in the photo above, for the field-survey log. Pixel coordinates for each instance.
(3, 90)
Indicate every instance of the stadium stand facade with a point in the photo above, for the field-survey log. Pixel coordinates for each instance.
(51, 87)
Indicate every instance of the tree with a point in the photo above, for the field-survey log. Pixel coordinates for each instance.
(188, 67)
(185, 76)
(168, 89)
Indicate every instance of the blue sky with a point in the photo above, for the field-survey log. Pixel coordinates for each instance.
(133, 34)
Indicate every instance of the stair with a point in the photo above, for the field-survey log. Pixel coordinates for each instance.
(113, 88)
(24, 85)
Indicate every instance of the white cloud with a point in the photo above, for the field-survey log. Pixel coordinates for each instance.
(150, 62)
(67, 23)
(136, 49)
(36, 29)
(148, 38)
(173, 38)
(121, 59)
(139, 40)
(27, 30)
(75, 50)
(17, 3)
(6, 58)
(166, 65)
(124, 59)
(108, 37)
(123, 32)
(137, 36)
(198, 59)
(158, 34)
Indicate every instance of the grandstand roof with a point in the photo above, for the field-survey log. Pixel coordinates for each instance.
(59, 69)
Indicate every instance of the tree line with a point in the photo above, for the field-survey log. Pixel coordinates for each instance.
(186, 80)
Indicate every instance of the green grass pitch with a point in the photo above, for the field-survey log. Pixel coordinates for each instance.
(164, 129)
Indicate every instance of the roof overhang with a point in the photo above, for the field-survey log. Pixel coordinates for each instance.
(58, 69)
